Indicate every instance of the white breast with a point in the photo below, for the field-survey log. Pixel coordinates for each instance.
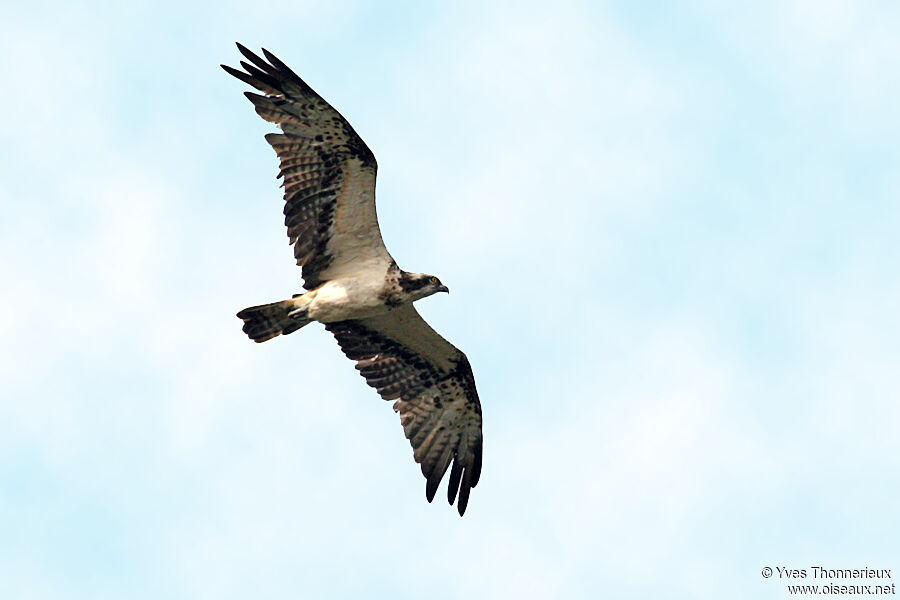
(348, 298)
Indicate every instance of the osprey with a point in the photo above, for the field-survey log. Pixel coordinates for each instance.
(353, 285)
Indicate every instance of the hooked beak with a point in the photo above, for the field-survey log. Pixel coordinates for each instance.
(444, 288)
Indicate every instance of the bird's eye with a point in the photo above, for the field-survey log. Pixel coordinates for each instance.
(434, 280)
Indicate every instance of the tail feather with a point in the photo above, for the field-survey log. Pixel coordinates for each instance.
(266, 321)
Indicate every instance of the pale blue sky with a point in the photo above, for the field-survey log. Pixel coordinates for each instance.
(671, 234)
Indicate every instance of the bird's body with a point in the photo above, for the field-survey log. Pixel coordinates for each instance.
(353, 284)
(345, 298)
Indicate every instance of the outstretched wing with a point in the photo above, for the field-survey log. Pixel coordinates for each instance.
(328, 171)
(407, 361)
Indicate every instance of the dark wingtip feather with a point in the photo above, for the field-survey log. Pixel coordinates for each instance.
(278, 64)
(453, 485)
(256, 99)
(252, 57)
(233, 71)
(463, 501)
(250, 80)
(430, 490)
(239, 74)
(262, 76)
(476, 467)
(465, 487)
(273, 59)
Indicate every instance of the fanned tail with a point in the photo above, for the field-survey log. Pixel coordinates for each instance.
(266, 321)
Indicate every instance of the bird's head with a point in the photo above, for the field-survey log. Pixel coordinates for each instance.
(420, 285)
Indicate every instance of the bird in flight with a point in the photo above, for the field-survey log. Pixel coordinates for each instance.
(354, 287)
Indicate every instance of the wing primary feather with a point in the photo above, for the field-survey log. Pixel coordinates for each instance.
(464, 488)
(437, 469)
(431, 487)
(252, 57)
(453, 484)
(257, 99)
(476, 466)
(248, 79)
(285, 69)
(268, 109)
(264, 77)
